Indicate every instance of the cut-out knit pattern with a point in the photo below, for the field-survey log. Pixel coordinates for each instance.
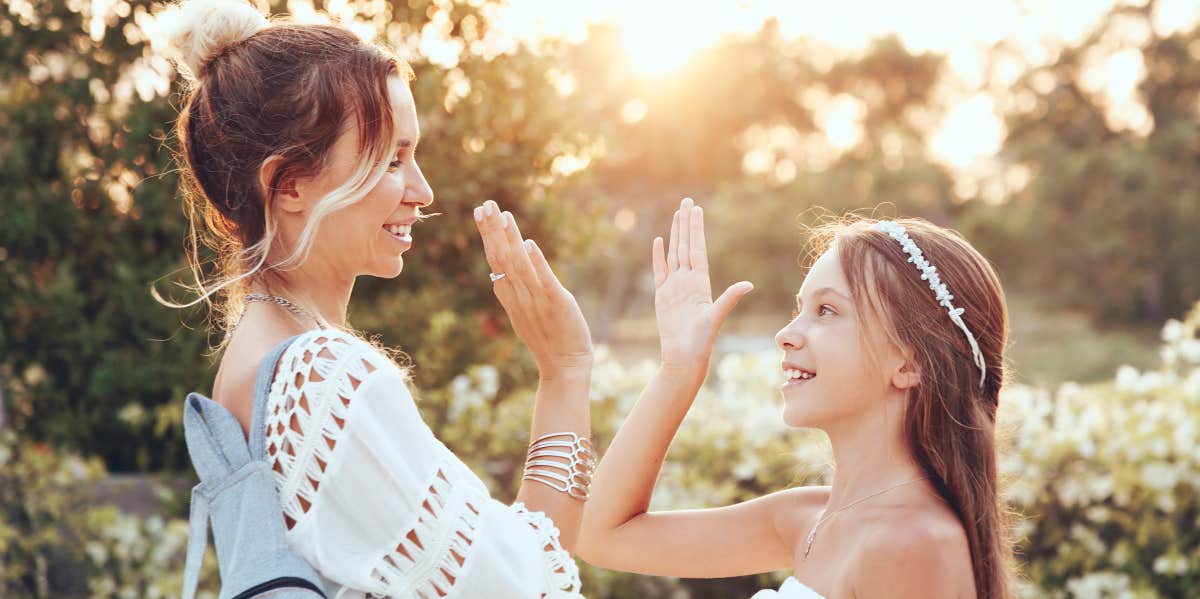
(339, 413)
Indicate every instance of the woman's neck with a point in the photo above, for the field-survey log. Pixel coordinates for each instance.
(327, 299)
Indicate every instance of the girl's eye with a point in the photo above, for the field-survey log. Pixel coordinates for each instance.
(827, 307)
(395, 163)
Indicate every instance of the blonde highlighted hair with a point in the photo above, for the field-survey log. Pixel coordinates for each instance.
(258, 87)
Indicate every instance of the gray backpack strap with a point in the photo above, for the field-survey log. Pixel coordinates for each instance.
(262, 392)
(237, 493)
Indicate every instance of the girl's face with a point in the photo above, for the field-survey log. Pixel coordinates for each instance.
(371, 236)
(829, 376)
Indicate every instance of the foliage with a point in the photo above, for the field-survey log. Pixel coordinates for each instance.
(90, 218)
(1112, 200)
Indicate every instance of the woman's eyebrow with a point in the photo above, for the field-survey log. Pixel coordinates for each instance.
(406, 143)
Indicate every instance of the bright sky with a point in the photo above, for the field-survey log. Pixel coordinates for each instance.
(660, 35)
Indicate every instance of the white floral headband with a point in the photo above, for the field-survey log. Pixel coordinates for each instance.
(929, 273)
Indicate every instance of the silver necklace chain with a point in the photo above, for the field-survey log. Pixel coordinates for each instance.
(282, 301)
(812, 535)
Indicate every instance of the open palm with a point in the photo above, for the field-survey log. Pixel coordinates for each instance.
(688, 318)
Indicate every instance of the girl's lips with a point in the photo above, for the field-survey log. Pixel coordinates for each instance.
(796, 382)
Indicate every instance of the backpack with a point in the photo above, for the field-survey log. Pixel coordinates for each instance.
(237, 493)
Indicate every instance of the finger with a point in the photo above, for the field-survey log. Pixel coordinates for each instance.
(699, 253)
(493, 240)
(495, 249)
(541, 266)
(685, 234)
(518, 262)
(658, 261)
(673, 249)
(730, 298)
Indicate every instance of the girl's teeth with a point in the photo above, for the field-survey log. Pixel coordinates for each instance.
(793, 374)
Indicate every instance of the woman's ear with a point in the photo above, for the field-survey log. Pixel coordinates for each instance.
(907, 375)
(287, 190)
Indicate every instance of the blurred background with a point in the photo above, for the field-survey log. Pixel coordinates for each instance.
(1059, 136)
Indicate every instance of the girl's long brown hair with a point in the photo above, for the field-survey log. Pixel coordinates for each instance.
(949, 420)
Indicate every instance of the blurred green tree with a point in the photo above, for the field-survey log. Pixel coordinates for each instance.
(90, 216)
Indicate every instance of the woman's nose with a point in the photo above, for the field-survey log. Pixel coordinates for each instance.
(418, 192)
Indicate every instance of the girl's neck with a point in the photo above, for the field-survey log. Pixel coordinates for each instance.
(871, 454)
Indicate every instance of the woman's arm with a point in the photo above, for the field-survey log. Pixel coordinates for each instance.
(547, 319)
(617, 531)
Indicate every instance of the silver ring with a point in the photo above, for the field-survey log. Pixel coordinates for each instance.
(495, 276)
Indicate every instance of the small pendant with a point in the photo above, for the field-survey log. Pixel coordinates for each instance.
(808, 546)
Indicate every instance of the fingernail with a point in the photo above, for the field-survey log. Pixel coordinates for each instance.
(478, 214)
(530, 246)
(487, 207)
(508, 218)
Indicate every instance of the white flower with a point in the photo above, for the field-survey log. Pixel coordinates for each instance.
(1127, 377)
(1172, 331)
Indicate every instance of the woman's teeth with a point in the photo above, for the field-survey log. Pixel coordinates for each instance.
(793, 374)
(403, 232)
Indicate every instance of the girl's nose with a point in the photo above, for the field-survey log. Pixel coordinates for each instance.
(790, 336)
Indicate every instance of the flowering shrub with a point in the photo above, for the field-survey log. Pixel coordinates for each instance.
(1108, 478)
(1105, 479)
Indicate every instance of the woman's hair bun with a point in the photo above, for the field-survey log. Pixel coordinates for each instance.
(196, 31)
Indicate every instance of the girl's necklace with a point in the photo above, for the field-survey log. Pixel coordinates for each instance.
(825, 516)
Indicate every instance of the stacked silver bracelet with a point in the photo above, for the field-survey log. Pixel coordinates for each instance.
(564, 462)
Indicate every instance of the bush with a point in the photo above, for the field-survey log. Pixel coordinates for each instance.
(1106, 478)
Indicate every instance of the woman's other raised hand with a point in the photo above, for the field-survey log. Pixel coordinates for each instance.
(543, 313)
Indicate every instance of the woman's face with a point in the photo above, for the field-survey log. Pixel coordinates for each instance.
(371, 236)
(829, 376)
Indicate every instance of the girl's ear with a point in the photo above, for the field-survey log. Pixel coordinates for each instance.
(287, 192)
(907, 374)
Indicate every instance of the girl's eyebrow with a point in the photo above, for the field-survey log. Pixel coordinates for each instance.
(822, 290)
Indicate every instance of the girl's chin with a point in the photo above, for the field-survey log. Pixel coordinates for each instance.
(803, 409)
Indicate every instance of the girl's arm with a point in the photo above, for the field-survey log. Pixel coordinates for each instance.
(617, 532)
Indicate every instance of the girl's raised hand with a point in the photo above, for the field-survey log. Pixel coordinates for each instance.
(688, 318)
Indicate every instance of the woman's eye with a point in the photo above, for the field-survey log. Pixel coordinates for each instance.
(826, 308)
(395, 163)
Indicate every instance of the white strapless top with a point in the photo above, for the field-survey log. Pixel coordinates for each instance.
(790, 589)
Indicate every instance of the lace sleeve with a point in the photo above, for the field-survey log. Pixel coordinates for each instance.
(376, 503)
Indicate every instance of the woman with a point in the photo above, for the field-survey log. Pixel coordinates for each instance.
(902, 374)
(300, 141)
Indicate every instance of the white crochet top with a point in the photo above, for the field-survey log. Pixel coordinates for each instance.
(380, 507)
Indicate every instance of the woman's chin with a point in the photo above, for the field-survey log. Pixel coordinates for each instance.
(389, 271)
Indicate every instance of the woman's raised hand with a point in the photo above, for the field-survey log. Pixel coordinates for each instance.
(688, 318)
(542, 312)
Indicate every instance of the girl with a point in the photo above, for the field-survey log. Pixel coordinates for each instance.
(895, 351)
(300, 143)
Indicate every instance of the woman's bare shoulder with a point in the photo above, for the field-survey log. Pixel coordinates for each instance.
(237, 374)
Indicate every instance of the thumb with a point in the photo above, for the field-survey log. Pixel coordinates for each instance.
(731, 297)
